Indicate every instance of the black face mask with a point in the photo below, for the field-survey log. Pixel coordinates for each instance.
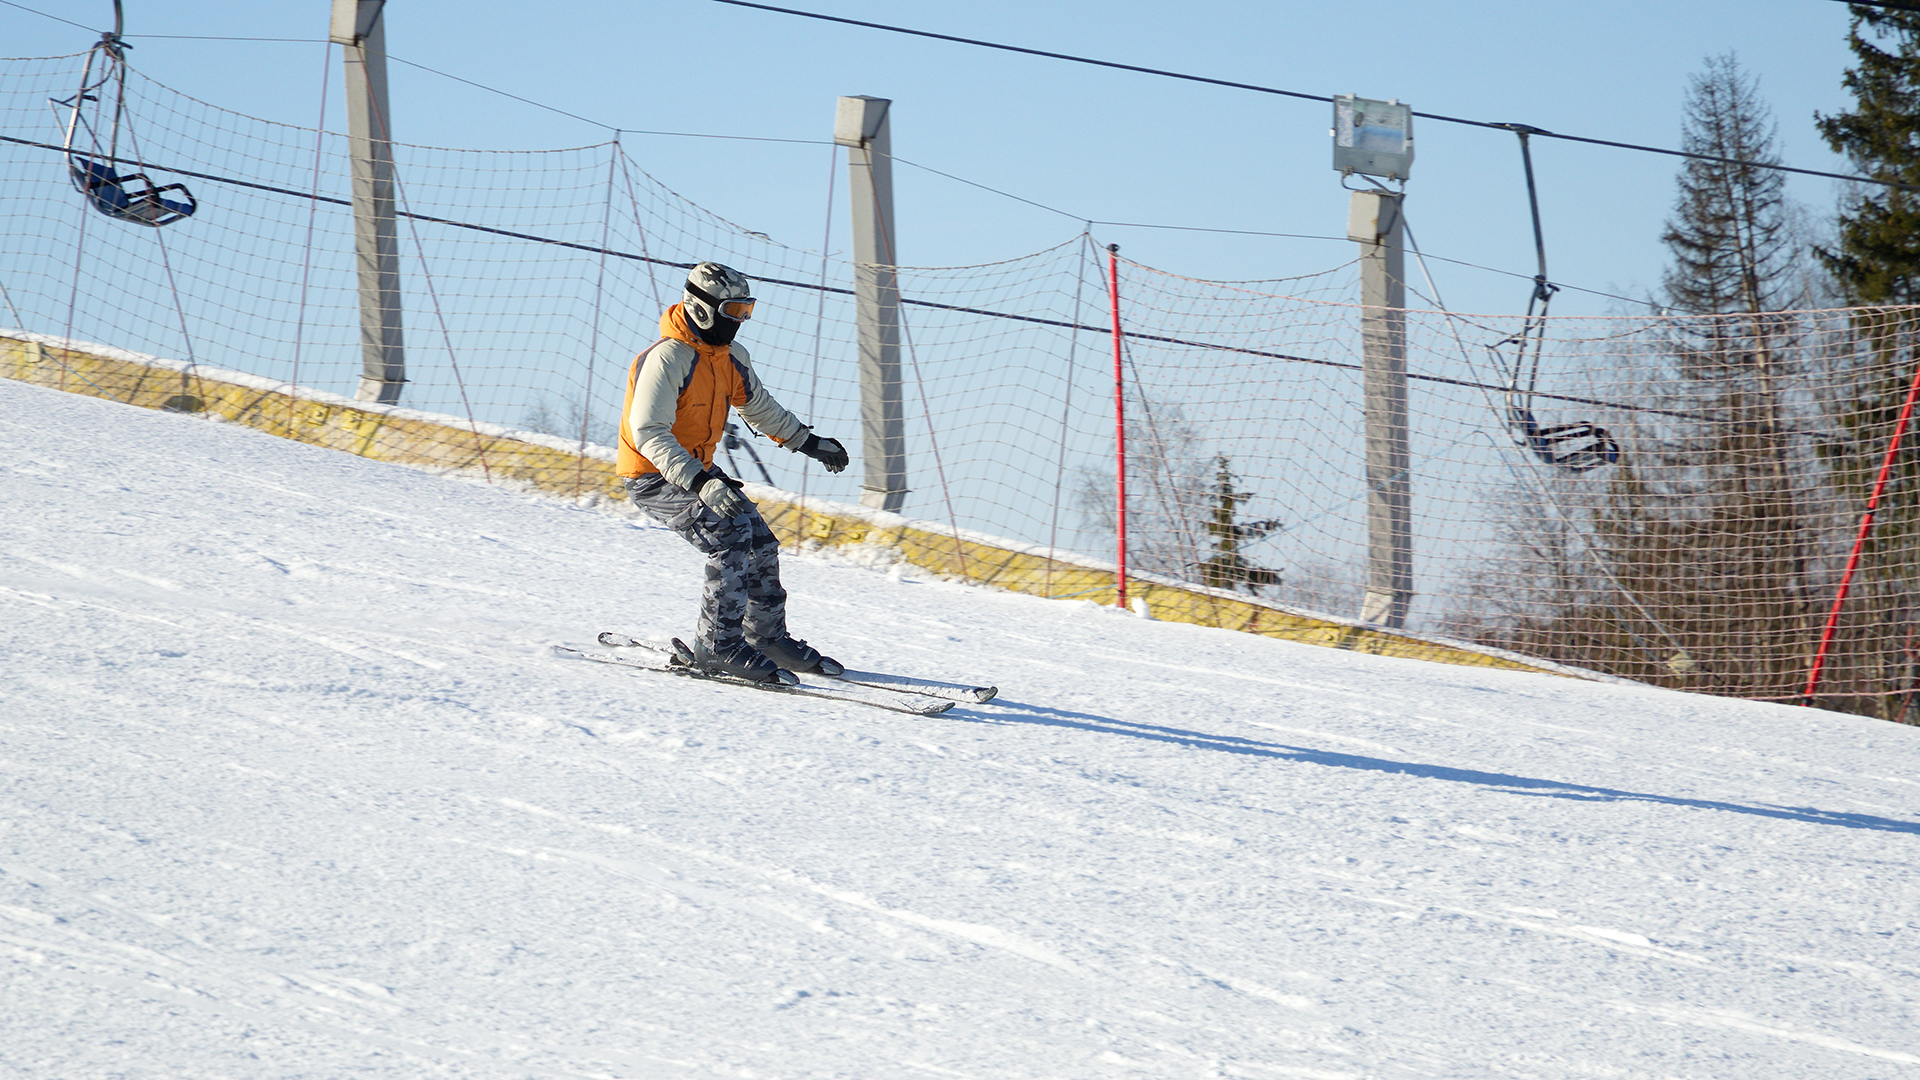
(722, 332)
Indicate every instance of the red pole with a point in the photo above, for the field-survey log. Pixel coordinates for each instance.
(1119, 416)
(1859, 541)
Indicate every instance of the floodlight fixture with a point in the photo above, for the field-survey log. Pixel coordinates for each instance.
(1372, 138)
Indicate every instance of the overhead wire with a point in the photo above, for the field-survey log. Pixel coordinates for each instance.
(1070, 215)
(1231, 84)
(1887, 4)
(643, 257)
(223, 37)
(984, 187)
(181, 37)
(598, 123)
(415, 216)
(903, 161)
(42, 14)
(1437, 258)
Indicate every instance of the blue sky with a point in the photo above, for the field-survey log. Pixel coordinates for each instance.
(1094, 143)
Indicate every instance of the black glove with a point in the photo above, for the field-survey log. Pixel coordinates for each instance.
(721, 494)
(827, 452)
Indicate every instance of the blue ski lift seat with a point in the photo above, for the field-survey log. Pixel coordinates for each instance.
(1575, 447)
(115, 194)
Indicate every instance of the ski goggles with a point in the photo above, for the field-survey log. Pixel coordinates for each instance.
(739, 309)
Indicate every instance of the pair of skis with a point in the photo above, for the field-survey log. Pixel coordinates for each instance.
(898, 693)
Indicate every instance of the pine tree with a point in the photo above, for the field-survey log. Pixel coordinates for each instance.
(1877, 259)
(1226, 568)
(1729, 541)
(1730, 235)
(1177, 498)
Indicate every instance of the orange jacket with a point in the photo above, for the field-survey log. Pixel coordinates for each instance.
(678, 393)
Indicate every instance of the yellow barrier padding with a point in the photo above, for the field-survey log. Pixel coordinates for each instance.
(386, 433)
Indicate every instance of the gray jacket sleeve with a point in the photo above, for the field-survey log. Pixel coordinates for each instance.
(767, 416)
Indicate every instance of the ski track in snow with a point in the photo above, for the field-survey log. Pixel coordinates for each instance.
(290, 786)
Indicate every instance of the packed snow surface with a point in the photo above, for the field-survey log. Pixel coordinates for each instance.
(292, 786)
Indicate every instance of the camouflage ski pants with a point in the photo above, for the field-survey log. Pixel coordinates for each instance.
(743, 597)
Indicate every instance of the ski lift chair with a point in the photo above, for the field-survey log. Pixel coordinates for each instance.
(117, 196)
(1575, 447)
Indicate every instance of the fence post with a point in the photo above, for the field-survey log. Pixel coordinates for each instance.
(1860, 539)
(1119, 424)
(358, 28)
(860, 125)
(1374, 221)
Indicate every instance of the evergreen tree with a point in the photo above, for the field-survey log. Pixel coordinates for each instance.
(1877, 258)
(1226, 568)
(1177, 498)
(1723, 525)
(1731, 236)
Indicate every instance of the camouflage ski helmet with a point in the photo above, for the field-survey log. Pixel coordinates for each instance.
(715, 292)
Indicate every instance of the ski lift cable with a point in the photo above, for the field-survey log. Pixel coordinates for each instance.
(974, 183)
(313, 214)
(644, 256)
(1100, 63)
(900, 160)
(1089, 222)
(599, 299)
(224, 37)
(1230, 84)
(173, 286)
(42, 14)
(986, 187)
(820, 301)
(180, 37)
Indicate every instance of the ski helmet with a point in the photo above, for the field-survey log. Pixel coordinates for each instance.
(717, 300)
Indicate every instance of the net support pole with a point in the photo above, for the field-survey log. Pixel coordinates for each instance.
(1374, 222)
(860, 125)
(1860, 539)
(360, 31)
(1119, 426)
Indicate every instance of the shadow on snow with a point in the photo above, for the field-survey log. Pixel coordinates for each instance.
(1014, 712)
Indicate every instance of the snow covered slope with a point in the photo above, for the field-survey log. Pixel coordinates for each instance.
(291, 787)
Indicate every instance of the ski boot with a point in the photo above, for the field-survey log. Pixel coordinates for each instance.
(741, 661)
(795, 655)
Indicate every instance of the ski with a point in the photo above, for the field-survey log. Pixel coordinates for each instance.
(659, 657)
(879, 680)
(925, 687)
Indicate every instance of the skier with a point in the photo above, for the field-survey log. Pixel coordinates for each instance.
(678, 392)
